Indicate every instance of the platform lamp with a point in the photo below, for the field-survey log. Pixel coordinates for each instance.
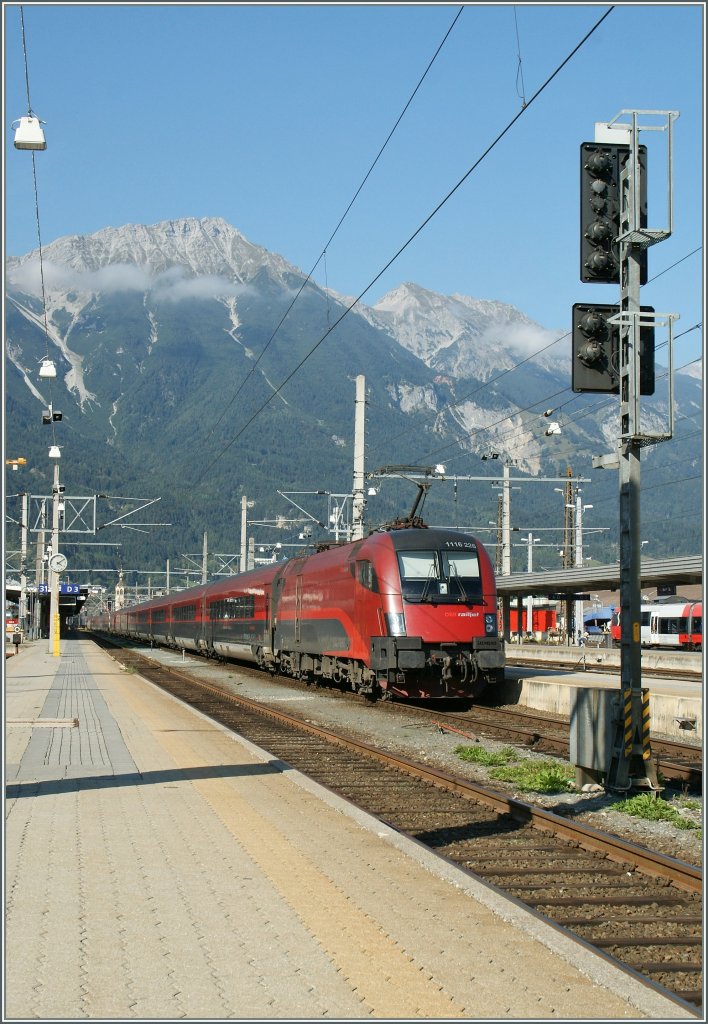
(29, 133)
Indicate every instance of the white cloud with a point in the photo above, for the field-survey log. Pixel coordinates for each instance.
(524, 339)
(172, 285)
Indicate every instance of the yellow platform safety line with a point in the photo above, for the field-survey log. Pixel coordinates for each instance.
(57, 639)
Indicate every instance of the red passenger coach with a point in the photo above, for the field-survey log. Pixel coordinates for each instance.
(676, 624)
(405, 612)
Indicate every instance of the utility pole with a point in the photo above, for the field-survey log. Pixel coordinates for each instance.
(245, 505)
(204, 559)
(359, 502)
(39, 569)
(568, 550)
(498, 553)
(23, 562)
(55, 570)
(579, 510)
(531, 540)
(506, 523)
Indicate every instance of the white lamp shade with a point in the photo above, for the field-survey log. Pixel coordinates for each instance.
(29, 134)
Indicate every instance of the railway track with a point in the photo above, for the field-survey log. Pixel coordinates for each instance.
(587, 661)
(678, 763)
(640, 909)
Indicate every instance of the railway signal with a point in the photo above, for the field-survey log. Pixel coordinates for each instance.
(613, 352)
(596, 341)
(601, 168)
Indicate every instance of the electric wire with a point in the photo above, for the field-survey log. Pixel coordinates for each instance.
(509, 451)
(405, 245)
(534, 355)
(541, 401)
(39, 233)
(322, 256)
(519, 68)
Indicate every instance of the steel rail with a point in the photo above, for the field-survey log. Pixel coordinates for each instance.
(684, 876)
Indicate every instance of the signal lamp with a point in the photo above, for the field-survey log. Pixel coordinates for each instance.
(602, 168)
(596, 351)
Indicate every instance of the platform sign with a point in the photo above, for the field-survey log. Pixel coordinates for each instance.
(64, 588)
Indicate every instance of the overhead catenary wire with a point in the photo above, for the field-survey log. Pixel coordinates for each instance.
(538, 402)
(329, 241)
(405, 245)
(492, 380)
(519, 68)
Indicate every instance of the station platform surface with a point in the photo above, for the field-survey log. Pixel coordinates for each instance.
(676, 705)
(157, 866)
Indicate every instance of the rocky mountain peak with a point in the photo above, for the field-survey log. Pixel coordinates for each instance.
(460, 335)
(199, 246)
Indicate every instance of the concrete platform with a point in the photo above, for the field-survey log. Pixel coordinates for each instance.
(158, 867)
(676, 705)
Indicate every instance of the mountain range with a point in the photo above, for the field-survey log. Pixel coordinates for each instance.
(197, 367)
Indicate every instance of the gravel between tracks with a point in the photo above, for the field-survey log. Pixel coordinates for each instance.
(422, 740)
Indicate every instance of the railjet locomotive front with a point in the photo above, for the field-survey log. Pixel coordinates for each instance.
(406, 612)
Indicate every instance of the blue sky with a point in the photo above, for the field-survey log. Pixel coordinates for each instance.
(270, 116)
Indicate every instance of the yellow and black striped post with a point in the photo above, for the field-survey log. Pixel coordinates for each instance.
(646, 726)
(628, 742)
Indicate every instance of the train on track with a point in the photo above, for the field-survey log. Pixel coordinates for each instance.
(677, 625)
(406, 612)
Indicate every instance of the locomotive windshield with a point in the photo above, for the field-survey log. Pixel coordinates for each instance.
(440, 577)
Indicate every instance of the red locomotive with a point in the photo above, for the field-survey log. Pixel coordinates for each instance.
(405, 612)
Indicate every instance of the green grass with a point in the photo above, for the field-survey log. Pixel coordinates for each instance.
(478, 755)
(537, 776)
(530, 776)
(644, 805)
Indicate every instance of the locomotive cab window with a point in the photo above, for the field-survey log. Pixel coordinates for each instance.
(419, 574)
(461, 569)
(440, 576)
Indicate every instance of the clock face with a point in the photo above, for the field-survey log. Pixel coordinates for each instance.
(57, 563)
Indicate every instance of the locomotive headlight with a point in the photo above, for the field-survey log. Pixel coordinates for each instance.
(490, 625)
(395, 624)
